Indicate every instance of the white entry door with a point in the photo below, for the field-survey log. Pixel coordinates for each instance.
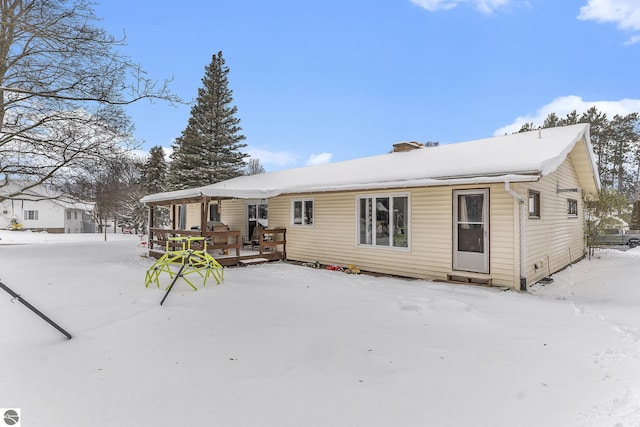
(471, 230)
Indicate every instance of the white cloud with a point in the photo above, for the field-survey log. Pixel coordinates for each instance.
(633, 39)
(566, 104)
(144, 155)
(139, 154)
(266, 157)
(624, 13)
(485, 6)
(434, 5)
(319, 159)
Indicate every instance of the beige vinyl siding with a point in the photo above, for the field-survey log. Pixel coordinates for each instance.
(504, 243)
(555, 239)
(332, 239)
(193, 215)
(233, 212)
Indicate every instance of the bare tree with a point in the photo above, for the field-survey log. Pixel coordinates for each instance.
(254, 167)
(114, 186)
(63, 86)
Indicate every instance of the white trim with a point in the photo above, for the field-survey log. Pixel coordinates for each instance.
(468, 261)
(292, 212)
(373, 244)
(243, 193)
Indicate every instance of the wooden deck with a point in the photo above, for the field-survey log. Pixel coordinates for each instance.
(226, 246)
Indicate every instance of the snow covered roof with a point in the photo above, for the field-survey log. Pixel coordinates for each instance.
(42, 193)
(518, 157)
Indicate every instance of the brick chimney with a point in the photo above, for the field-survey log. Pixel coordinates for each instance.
(399, 147)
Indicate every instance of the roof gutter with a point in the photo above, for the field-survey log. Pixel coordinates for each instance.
(523, 246)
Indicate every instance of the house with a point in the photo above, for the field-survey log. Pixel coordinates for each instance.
(40, 209)
(503, 211)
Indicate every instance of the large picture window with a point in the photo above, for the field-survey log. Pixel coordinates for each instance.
(302, 212)
(383, 220)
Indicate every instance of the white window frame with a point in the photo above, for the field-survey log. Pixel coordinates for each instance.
(535, 204)
(303, 202)
(570, 203)
(374, 244)
(31, 214)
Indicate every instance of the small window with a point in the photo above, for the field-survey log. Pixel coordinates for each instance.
(263, 211)
(534, 204)
(572, 207)
(33, 215)
(68, 214)
(214, 212)
(182, 217)
(302, 212)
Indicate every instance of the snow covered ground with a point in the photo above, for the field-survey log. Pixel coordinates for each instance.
(285, 345)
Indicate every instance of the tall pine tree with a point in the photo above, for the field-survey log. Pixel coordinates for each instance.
(154, 180)
(616, 144)
(208, 150)
(154, 172)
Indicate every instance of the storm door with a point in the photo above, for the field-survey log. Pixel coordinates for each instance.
(471, 230)
(257, 214)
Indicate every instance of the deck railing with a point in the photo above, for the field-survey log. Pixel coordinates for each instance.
(272, 242)
(227, 241)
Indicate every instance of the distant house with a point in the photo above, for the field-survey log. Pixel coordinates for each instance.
(504, 211)
(40, 209)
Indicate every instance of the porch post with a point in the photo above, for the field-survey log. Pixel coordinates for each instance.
(151, 220)
(204, 213)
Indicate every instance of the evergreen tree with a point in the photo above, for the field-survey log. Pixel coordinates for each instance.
(528, 127)
(154, 172)
(154, 180)
(208, 150)
(635, 216)
(602, 213)
(552, 120)
(616, 145)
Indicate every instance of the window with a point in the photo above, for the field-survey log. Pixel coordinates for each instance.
(182, 217)
(302, 212)
(75, 215)
(534, 204)
(383, 220)
(214, 212)
(31, 215)
(68, 214)
(257, 216)
(263, 211)
(572, 207)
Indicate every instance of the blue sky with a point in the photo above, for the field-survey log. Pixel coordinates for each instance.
(340, 79)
